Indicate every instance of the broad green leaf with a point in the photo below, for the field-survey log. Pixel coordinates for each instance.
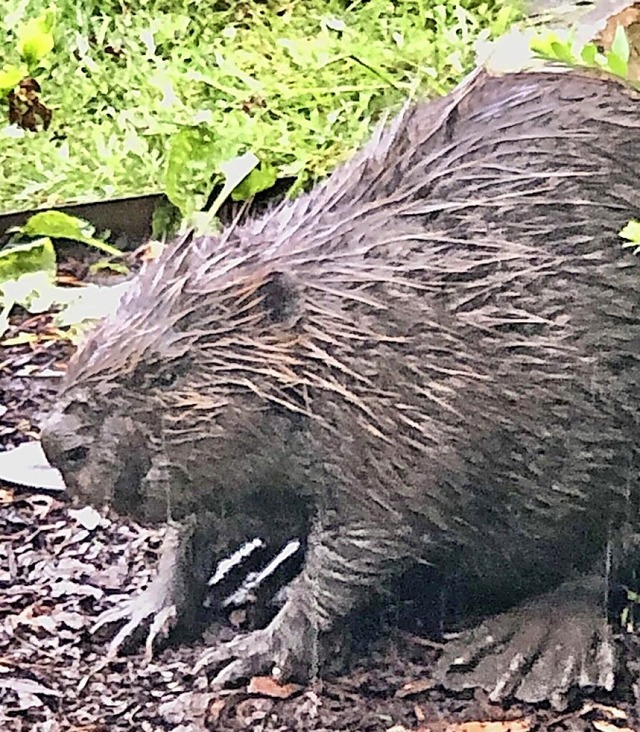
(620, 46)
(21, 259)
(503, 20)
(616, 65)
(183, 147)
(562, 51)
(191, 152)
(55, 224)
(588, 54)
(59, 225)
(551, 46)
(35, 37)
(195, 153)
(10, 77)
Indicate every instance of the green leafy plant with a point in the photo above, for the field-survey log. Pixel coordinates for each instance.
(193, 153)
(59, 225)
(154, 96)
(570, 52)
(35, 38)
(28, 271)
(243, 177)
(34, 41)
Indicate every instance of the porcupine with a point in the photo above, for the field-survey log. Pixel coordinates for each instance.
(435, 350)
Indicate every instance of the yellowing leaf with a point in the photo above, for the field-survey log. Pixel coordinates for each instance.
(11, 76)
(631, 231)
(35, 39)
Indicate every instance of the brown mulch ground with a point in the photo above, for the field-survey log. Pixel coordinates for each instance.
(59, 569)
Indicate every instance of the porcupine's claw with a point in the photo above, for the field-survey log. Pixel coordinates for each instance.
(156, 605)
(287, 648)
(245, 656)
(538, 651)
(153, 604)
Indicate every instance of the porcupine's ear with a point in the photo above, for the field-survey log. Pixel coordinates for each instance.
(282, 303)
(280, 297)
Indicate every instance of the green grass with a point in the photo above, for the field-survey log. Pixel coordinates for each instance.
(135, 85)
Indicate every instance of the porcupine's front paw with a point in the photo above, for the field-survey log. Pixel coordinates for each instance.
(287, 648)
(154, 606)
(172, 598)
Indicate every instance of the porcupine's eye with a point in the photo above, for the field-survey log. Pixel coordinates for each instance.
(165, 379)
(77, 454)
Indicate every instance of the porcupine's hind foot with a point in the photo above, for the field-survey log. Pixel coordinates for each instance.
(538, 651)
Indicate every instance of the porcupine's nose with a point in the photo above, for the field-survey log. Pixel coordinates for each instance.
(62, 442)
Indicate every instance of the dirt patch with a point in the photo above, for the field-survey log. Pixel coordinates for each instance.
(29, 373)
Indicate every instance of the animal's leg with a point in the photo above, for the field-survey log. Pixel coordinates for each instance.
(174, 597)
(343, 567)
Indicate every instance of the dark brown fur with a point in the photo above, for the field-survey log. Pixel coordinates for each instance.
(437, 349)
